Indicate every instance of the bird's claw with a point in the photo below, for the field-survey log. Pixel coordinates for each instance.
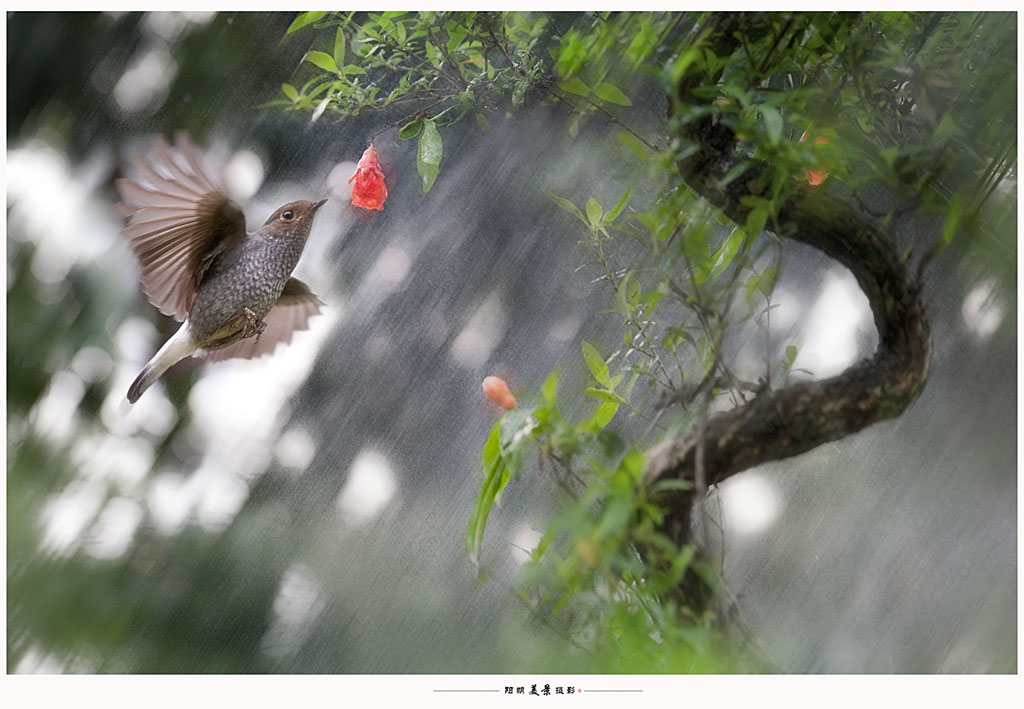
(253, 325)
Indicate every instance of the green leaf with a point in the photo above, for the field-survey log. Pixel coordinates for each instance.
(566, 205)
(456, 33)
(767, 280)
(945, 128)
(614, 212)
(519, 92)
(428, 155)
(594, 212)
(752, 286)
(680, 65)
(756, 220)
(353, 69)
(549, 389)
(633, 464)
(725, 254)
(671, 484)
(339, 48)
(321, 59)
(611, 93)
(494, 471)
(626, 294)
(596, 364)
(320, 108)
(290, 92)
(791, 352)
(734, 172)
(575, 86)
(631, 142)
(302, 20)
(772, 123)
(410, 129)
(603, 416)
(602, 394)
(952, 221)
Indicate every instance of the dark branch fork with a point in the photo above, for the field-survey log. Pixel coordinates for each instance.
(792, 420)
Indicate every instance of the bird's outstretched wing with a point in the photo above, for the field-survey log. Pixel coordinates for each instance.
(179, 221)
(292, 312)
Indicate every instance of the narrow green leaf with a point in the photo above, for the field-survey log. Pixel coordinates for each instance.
(594, 212)
(596, 364)
(681, 64)
(550, 389)
(734, 172)
(772, 123)
(725, 254)
(614, 212)
(320, 108)
(321, 59)
(626, 305)
(290, 92)
(339, 48)
(428, 155)
(612, 94)
(566, 205)
(353, 69)
(303, 19)
(493, 472)
(491, 446)
(752, 285)
(952, 221)
(575, 86)
(410, 129)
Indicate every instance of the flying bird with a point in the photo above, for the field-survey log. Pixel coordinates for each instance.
(231, 289)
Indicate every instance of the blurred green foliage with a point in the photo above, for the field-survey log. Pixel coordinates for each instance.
(900, 112)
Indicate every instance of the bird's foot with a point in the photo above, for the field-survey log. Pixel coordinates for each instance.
(253, 325)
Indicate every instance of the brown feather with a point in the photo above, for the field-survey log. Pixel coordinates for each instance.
(179, 222)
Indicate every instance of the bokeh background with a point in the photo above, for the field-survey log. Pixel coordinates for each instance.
(305, 512)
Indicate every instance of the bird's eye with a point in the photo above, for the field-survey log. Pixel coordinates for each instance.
(287, 215)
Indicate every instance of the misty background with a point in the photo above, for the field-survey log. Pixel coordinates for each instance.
(305, 512)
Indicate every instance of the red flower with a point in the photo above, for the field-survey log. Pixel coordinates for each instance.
(497, 391)
(369, 191)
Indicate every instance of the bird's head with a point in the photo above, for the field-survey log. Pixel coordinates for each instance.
(293, 220)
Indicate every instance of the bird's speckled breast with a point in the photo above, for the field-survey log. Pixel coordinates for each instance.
(253, 279)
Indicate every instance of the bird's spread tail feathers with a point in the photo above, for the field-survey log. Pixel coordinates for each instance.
(180, 346)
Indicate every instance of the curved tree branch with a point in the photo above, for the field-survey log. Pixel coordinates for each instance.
(789, 421)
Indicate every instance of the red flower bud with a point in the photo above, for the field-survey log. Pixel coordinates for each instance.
(497, 391)
(369, 190)
(815, 177)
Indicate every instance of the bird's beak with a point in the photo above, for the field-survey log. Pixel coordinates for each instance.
(319, 204)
